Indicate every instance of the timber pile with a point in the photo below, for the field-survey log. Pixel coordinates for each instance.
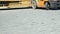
(10, 0)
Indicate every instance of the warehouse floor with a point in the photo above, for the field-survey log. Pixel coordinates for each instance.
(29, 21)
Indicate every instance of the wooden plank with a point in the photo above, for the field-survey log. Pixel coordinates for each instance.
(10, 0)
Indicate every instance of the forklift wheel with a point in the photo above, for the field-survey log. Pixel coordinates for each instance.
(47, 5)
(34, 4)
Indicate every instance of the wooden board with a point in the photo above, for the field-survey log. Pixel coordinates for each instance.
(10, 0)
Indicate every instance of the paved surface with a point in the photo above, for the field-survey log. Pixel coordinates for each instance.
(30, 21)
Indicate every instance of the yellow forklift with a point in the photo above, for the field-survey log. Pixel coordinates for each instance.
(14, 4)
(48, 4)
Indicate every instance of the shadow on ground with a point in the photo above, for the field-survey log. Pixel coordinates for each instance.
(16, 8)
(48, 9)
(27, 8)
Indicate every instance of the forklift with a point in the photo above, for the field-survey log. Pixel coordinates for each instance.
(48, 4)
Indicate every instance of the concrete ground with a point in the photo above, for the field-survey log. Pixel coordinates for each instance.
(29, 21)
